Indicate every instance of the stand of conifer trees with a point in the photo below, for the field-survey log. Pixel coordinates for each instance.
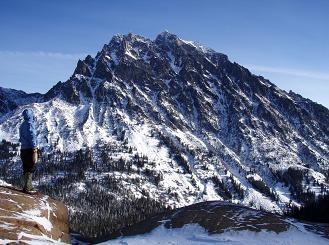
(315, 211)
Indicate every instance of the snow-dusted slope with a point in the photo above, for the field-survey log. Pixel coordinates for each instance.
(211, 128)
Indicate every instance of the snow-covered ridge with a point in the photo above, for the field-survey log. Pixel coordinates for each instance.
(11, 99)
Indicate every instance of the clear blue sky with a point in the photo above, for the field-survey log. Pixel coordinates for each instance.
(286, 41)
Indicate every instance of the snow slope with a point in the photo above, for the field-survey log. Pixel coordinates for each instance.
(217, 223)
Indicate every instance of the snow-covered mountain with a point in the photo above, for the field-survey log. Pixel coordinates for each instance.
(210, 128)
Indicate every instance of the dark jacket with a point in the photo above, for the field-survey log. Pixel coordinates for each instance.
(27, 133)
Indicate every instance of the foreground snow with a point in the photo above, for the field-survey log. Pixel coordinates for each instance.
(3, 183)
(194, 234)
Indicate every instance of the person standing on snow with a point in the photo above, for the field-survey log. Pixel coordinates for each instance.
(29, 149)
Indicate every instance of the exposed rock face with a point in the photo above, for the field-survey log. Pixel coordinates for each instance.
(25, 218)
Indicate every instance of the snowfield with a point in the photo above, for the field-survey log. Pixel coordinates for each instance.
(193, 234)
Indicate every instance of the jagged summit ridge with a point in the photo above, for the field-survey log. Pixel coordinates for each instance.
(148, 56)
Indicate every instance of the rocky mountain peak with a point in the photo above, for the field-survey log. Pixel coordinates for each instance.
(166, 37)
(210, 126)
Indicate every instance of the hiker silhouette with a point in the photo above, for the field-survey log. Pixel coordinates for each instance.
(29, 149)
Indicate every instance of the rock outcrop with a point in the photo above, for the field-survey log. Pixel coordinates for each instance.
(29, 218)
(216, 217)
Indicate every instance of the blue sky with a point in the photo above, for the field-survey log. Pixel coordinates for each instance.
(285, 41)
